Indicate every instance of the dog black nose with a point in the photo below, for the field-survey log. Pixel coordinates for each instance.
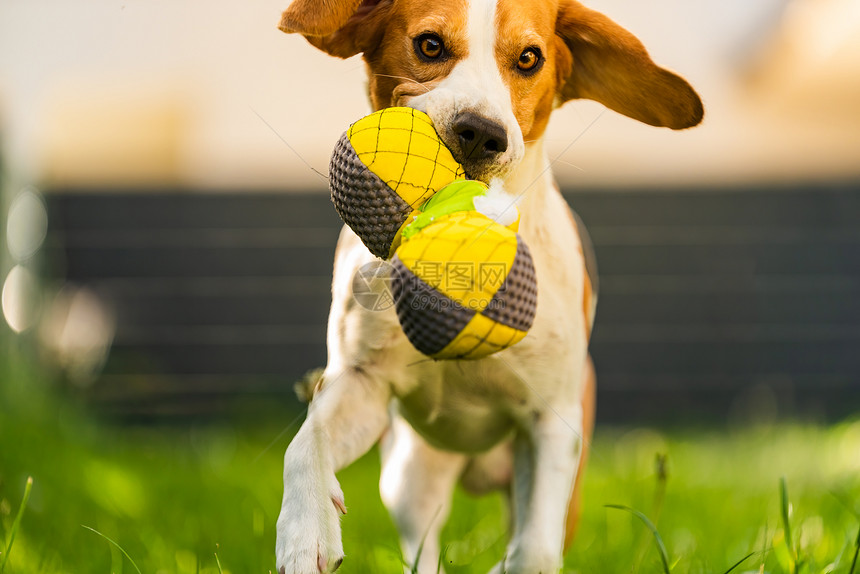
(479, 138)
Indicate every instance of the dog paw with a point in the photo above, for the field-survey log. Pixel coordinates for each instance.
(537, 559)
(314, 562)
(307, 550)
(309, 537)
(302, 564)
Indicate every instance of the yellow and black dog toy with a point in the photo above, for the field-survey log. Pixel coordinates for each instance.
(384, 167)
(464, 285)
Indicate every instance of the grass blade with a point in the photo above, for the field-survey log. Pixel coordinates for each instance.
(661, 474)
(739, 562)
(786, 522)
(414, 569)
(661, 471)
(856, 553)
(442, 556)
(121, 549)
(17, 523)
(764, 548)
(664, 555)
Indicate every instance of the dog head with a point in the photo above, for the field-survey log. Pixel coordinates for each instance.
(489, 72)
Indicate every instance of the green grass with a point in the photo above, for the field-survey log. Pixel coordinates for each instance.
(204, 498)
(16, 524)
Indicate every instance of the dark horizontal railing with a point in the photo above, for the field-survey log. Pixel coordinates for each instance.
(710, 298)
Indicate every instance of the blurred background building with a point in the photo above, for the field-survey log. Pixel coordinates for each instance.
(168, 245)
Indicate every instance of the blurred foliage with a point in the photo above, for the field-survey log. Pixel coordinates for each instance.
(172, 497)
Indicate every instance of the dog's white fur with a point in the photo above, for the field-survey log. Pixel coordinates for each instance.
(512, 417)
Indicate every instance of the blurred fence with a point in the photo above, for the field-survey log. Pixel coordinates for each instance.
(713, 302)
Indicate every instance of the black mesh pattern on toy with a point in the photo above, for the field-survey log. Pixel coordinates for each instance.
(365, 202)
(515, 303)
(430, 319)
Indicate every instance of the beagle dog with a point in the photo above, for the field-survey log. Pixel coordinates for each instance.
(488, 73)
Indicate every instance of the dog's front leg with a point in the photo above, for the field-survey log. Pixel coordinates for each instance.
(345, 419)
(546, 458)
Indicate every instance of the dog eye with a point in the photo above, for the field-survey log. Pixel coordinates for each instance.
(530, 60)
(429, 47)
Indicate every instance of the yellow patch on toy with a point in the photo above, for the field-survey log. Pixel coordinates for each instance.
(383, 168)
(464, 287)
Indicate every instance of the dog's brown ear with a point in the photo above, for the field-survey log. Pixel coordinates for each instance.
(608, 64)
(342, 28)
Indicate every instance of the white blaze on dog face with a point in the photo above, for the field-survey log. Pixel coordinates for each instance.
(475, 85)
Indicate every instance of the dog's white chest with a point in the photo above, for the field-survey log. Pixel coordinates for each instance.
(466, 406)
